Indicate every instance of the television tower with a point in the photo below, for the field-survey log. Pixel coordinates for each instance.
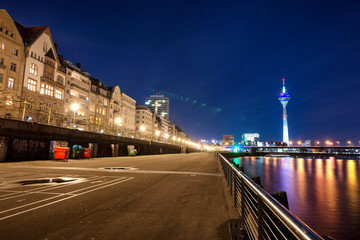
(284, 99)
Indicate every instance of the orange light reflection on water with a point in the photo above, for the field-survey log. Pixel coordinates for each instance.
(352, 182)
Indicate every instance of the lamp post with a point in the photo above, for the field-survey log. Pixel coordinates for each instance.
(118, 123)
(166, 137)
(157, 133)
(142, 129)
(74, 107)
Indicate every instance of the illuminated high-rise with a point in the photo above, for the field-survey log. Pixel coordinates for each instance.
(284, 99)
(158, 104)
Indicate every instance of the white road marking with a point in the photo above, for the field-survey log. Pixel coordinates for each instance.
(47, 199)
(44, 188)
(127, 171)
(60, 200)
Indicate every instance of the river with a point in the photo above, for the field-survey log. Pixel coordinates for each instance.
(324, 193)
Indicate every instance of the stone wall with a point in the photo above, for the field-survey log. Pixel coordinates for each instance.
(31, 141)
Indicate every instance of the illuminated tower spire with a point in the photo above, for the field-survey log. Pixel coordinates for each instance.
(284, 99)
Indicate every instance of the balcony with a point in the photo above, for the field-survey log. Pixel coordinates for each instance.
(73, 85)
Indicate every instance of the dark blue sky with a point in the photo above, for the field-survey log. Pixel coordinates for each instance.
(220, 62)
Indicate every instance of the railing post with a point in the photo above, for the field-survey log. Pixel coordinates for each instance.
(260, 215)
(235, 191)
(242, 191)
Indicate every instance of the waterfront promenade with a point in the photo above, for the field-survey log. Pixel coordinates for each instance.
(178, 196)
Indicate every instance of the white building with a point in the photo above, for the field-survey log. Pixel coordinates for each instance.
(144, 122)
(128, 115)
(77, 97)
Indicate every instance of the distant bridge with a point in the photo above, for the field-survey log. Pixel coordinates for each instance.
(345, 151)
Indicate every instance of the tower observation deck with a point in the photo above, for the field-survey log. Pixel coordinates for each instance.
(284, 99)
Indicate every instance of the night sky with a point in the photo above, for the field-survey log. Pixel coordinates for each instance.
(220, 62)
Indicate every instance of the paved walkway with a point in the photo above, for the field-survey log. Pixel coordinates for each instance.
(179, 196)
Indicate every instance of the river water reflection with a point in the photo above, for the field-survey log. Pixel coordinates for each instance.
(324, 193)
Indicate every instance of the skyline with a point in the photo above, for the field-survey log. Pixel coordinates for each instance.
(229, 58)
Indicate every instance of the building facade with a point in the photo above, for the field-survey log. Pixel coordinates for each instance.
(44, 77)
(12, 60)
(115, 117)
(228, 140)
(128, 115)
(77, 97)
(144, 122)
(99, 107)
(158, 104)
(250, 139)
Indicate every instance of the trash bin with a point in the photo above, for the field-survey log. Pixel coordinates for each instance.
(61, 153)
(131, 150)
(85, 153)
(76, 151)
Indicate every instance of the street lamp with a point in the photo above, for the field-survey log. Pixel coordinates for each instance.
(157, 133)
(166, 136)
(118, 123)
(142, 129)
(74, 107)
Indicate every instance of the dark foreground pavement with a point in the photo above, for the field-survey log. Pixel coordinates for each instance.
(177, 196)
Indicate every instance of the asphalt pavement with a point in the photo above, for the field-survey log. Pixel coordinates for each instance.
(175, 196)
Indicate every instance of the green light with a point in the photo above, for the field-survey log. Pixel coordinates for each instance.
(236, 161)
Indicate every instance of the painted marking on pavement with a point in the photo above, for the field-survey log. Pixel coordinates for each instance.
(127, 171)
(94, 188)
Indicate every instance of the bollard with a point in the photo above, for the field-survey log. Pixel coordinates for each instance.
(281, 197)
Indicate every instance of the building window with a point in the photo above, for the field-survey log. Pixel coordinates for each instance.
(47, 90)
(9, 101)
(13, 67)
(60, 80)
(105, 102)
(11, 83)
(58, 94)
(31, 85)
(45, 47)
(2, 45)
(15, 52)
(1, 77)
(34, 69)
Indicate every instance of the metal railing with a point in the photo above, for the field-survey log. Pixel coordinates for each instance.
(261, 215)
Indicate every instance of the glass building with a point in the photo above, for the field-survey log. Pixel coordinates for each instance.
(158, 104)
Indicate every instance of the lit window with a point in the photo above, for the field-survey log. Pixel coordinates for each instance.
(9, 101)
(105, 102)
(31, 85)
(72, 93)
(103, 112)
(11, 83)
(34, 69)
(47, 89)
(2, 46)
(58, 94)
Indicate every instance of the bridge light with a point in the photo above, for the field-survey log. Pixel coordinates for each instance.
(291, 143)
(299, 143)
